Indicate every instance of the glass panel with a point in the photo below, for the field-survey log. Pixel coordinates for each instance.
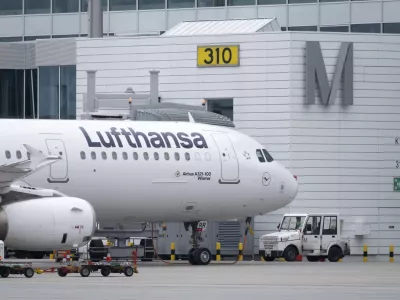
(68, 92)
(31, 94)
(330, 226)
(65, 6)
(11, 7)
(267, 155)
(335, 28)
(369, 28)
(313, 225)
(292, 223)
(210, 3)
(11, 39)
(241, 2)
(391, 28)
(180, 3)
(84, 5)
(36, 37)
(301, 1)
(37, 6)
(151, 4)
(65, 36)
(122, 5)
(48, 92)
(269, 2)
(283, 28)
(260, 156)
(302, 28)
(12, 94)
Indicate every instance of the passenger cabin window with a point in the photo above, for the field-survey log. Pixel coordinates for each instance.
(166, 156)
(8, 154)
(93, 154)
(260, 155)
(197, 155)
(135, 156)
(267, 155)
(104, 155)
(177, 156)
(124, 155)
(146, 156)
(156, 156)
(114, 155)
(187, 156)
(83, 155)
(19, 155)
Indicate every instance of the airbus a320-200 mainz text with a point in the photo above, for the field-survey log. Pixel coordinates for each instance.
(58, 178)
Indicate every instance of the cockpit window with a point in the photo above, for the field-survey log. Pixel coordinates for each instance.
(267, 155)
(260, 155)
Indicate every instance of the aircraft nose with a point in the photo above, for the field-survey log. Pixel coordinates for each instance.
(293, 187)
(288, 186)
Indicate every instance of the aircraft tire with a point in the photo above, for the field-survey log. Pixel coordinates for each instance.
(191, 258)
(202, 256)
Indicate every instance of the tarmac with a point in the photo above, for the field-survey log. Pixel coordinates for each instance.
(220, 280)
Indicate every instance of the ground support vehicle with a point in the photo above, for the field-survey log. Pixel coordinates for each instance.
(106, 268)
(302, 234)
(7, 268)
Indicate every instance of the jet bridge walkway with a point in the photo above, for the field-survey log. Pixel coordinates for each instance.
(144, 107)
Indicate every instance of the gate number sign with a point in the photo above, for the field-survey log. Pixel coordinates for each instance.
(218, 56)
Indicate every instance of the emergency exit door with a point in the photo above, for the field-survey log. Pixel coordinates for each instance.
(59, 169)
(228, 158)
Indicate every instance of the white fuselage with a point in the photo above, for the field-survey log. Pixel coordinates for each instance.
(217, 176)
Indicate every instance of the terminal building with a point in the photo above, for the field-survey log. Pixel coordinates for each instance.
(325, 104)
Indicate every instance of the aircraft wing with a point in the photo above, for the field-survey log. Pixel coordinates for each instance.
(18, 170)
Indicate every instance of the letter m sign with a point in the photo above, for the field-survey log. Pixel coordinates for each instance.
(316, 73)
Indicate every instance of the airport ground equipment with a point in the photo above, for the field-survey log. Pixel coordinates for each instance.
(7, 268)
(316, 236)
(106, 268)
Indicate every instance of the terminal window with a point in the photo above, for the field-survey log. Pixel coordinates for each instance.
(221, 106)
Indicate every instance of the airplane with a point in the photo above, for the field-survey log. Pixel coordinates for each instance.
(58, 178)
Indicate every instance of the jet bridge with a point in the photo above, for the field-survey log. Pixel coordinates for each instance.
(145, 107)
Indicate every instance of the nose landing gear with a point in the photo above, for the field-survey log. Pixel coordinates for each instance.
(197, 255)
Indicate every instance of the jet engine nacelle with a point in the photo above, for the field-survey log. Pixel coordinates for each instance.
(47, 224)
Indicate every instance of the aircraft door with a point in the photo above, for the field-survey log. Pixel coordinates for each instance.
(59, 169)
(229, 161)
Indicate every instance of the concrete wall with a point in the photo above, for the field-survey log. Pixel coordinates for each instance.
(345, 157)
